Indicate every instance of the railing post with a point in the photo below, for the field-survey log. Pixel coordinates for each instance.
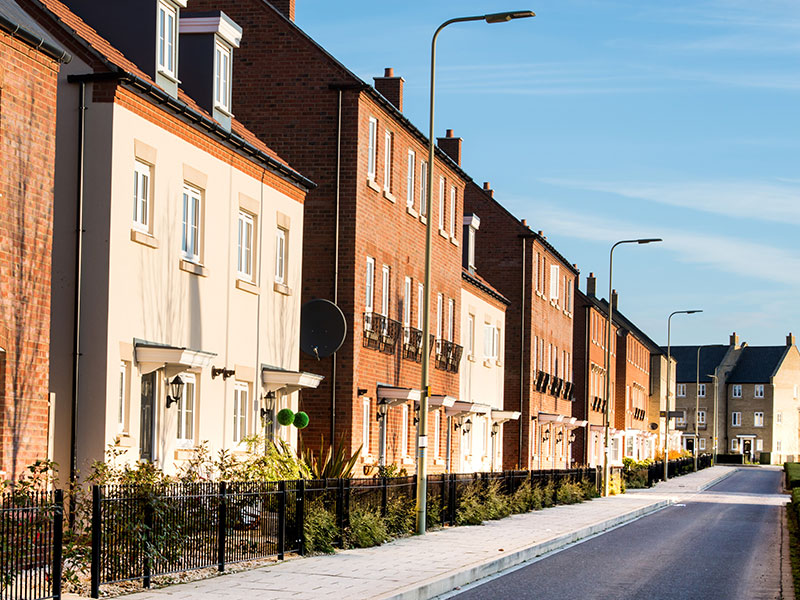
(384, 496)
(58, 538)
(300, 516)
(222, 524)
(340, 510)
(96, 524)
(453, 499)
(281, 519)
(443, 499)
(148, 540)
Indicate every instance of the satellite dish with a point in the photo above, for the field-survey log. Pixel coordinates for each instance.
(322, 328)
(653, 426)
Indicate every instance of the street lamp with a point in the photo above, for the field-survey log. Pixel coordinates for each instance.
(714, 431)
(422, 426)
(606, 463)
(669, 374)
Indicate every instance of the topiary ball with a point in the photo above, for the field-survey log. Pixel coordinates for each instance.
(301, 420)
(285, 416)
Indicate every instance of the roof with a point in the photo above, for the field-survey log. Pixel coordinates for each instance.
(686, 357)
(117, 62)
(757, 364)
(483, 285)
(17, 23)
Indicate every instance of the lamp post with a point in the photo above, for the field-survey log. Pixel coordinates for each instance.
(697, 411)
(669, 375)
(422, 426)
(606, 462)
(714, 430)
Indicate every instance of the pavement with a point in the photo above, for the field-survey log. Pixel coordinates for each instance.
(423, 567)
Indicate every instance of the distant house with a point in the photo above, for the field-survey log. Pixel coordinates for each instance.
(30, 59)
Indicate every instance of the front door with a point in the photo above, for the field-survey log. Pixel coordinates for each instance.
(690, 444)
(147, 416)
(747, 448)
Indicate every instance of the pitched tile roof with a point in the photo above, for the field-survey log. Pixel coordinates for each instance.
(483, 285)
(19, 23)
(686, 358)
(757, 364)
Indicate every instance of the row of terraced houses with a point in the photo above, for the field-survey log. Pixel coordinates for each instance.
(181, 176)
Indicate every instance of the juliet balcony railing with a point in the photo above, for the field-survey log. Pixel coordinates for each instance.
(542, 380)
(448, 356)
(412, 344)
(380, 332)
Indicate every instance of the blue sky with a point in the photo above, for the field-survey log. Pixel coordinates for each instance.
(599, 120)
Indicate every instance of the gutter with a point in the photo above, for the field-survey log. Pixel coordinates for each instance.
(16, 30)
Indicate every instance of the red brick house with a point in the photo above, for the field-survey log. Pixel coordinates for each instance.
(539, 282)
(29, 63)
(364, 242)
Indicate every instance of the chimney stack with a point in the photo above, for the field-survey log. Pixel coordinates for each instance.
(487, 187)
(451, 146)
(614, 300)
(790, 339)
(286, 7)
(390, 87)
(734, 340)
(591, 285)
(524, 222)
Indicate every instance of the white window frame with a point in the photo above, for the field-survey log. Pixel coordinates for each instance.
(701, 443)
(554, 283)
(241, 401)
(407, 302)
(734, 444)
(701, 390)
(366, 423)
(442, 186)
(187, 408)
(488, 341)
(123, 396)
(439, 307)
(420, 304)
(167, 39)
(142, 175)
(759, 445)
(423, 188)
(701, 417)
(736, 419)
(281, 236)
(758, 419)
(410, 179)
(758, 390)
(451, 319)
(404, 431)
(192, 223)
(680, 392)
(372, 150)
(778, 446)
(223, 66)
(244, 248)
(386, 279)
(737, 390)
(453, 202)
(471, 336)
(779, 418)
(387, 157)
(369, 286)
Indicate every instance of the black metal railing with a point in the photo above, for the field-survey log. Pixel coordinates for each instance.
(412, 344)
(448, 355)
(380, 332)
(31, 530)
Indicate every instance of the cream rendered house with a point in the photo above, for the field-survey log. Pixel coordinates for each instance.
(476, 419)
(189, 262)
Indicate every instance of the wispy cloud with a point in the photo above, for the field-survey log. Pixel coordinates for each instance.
(743, 199)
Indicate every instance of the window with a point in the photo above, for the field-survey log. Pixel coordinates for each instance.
(737, 391)
(387, 165)
(439, 304)
(451, 309)
(778, 445)
(385, 291)
(423, 188)
(123, 396)
(441, 203)
(371, 147)
(702, 443)
(701, 390)
(497, 343)
(471, 248)
(190, 239)
(404, 432)
(369, 286)
(778, 418)
(734, 445)
(420, 304)
(701, 417)
(222, 77)
(452, 211)
(280, 255)
(407, 303)
(758, 419)
(365, 423)
(568, 292)
(736, 419)
(186, 411)
(412, 163)
(437, 426)
(554, 283)
(680, 420)
(244, 255)
(167, 28)
(241, 396)
(471, 335)
(488, 341)
(141, 196)
(759, 445)
(759, 390)
(681, 390)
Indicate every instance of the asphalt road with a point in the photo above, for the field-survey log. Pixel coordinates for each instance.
(724, 543)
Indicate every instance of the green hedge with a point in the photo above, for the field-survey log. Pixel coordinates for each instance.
(792, 474)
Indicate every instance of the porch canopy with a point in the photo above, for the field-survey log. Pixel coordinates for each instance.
(152, 356)
(275, 379)
(501, 416)
(462, 409)
(393, 396)
(601, 429)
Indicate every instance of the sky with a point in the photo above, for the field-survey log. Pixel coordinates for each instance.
(601, 120)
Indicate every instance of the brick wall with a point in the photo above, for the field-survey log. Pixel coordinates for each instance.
(27, 147)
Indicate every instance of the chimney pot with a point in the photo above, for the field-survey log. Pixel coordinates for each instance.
(540, 232)
(524, 222)
(388, 72)
(451, 146)
(734, 340)
(284, 6)
(487, 185)
(449, 133)
(614, 299)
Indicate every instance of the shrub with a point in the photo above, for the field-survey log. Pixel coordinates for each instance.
(792, 474)
(589, 489)
(285, 416)
(569, 492)
(400, 516)
(471, 509)
(319, 530)
(549, 494)
(367, 528)
(496, 503)
(635, 472)
(616, 485)
(301, 420)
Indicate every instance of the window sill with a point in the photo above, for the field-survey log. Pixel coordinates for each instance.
(471, 357)
(538, 293)
(498, 363)
(141, 237)
(282, 288)
(487, 362)
(424, 220)
(193, 268)
(444, 234)
(389, 196)
(454, 241)
(168, 75)
(247, 286)
(408, 461)
(124, 440)
(410, 210)
(438, 461)
(184, 453)
(368, 459)
(371, 184)
(223, 110)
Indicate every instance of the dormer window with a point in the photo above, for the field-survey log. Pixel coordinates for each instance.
(222, 77)
(167, 49)
(471, 225)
